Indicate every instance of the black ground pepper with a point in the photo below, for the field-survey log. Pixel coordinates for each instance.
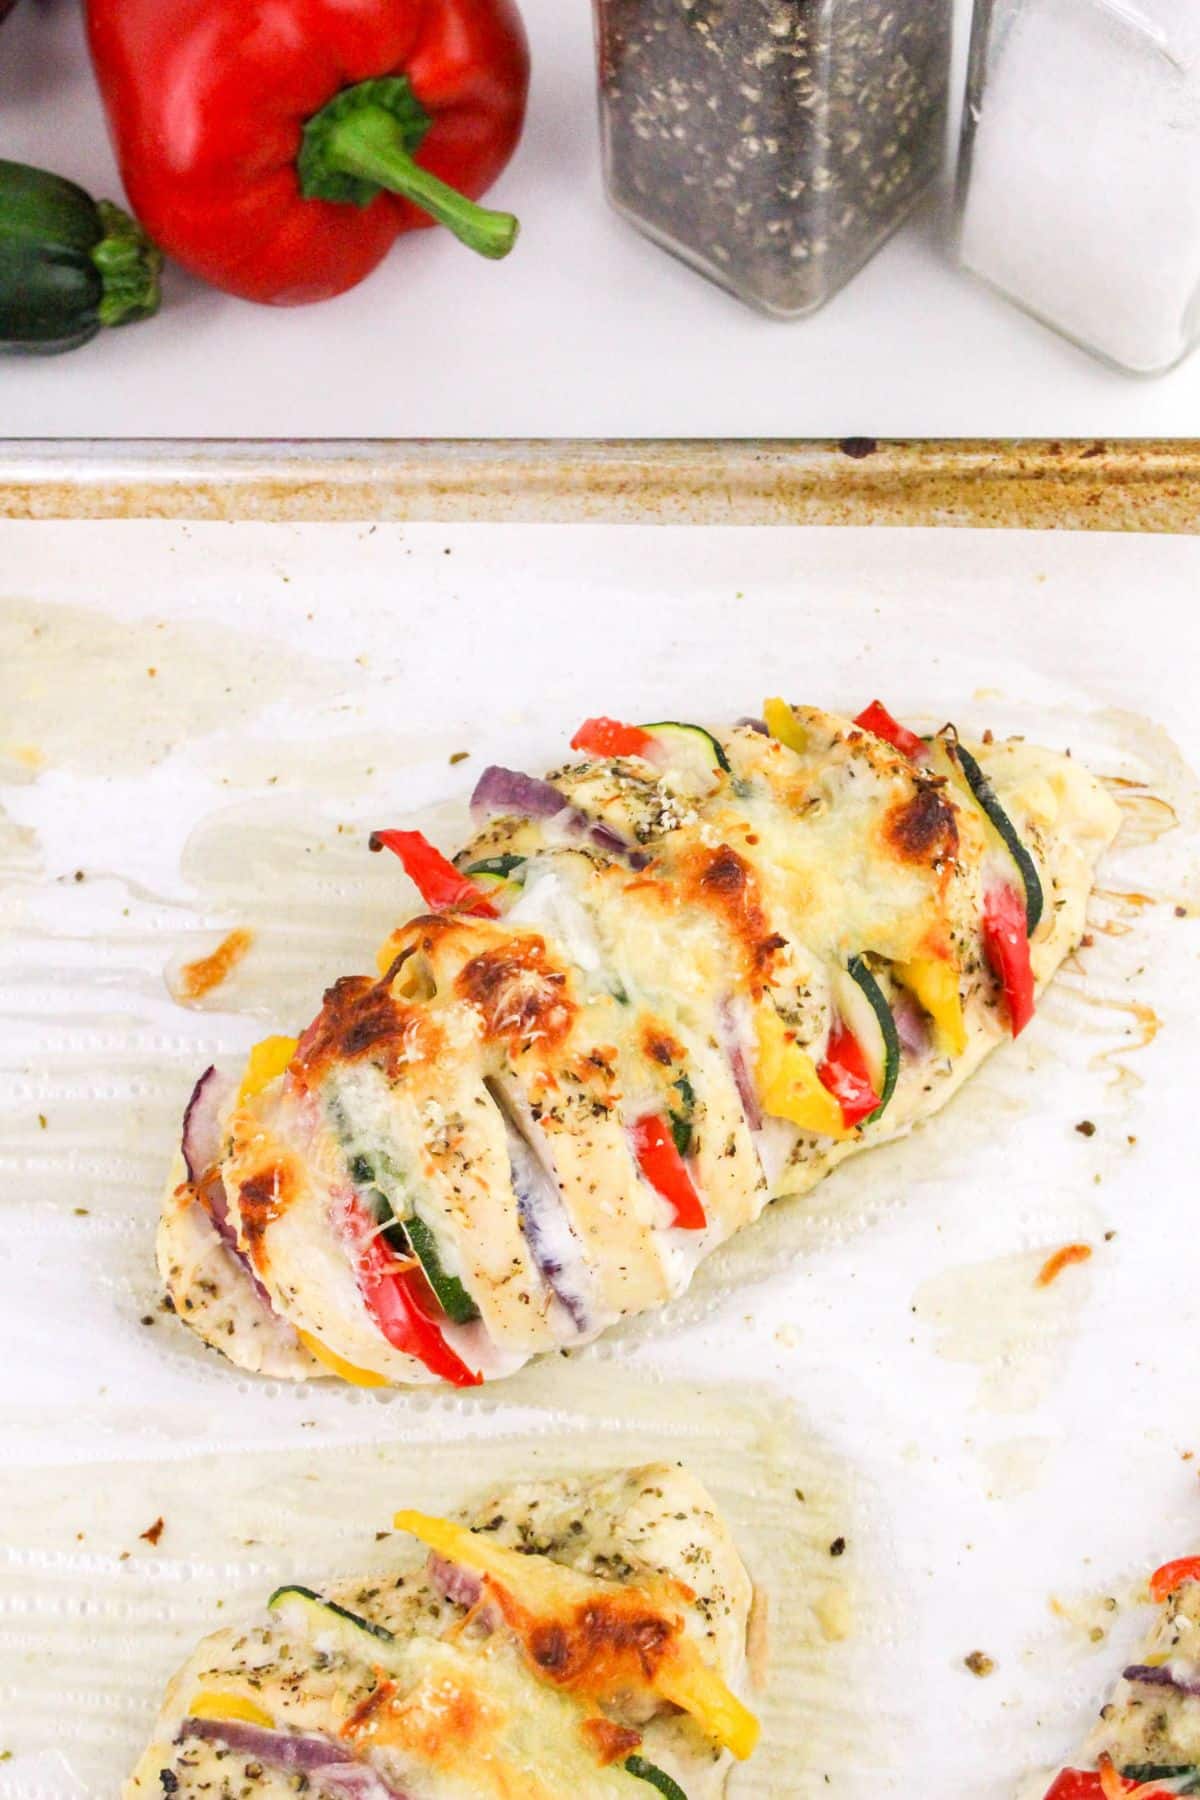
(773, 144)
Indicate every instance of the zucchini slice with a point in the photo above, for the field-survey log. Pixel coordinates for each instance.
(1186, 1773)
(452, 1296)
(989, 803)
(313, 1614)
(502, 867)
(412, 1236)
(682, 1114)
(863, 1005)
(690, 748)
(658, 1778)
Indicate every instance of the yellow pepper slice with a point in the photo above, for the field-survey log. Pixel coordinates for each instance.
(386, 954)
(788, 1084)
(337, 1365)
(211, 1705)
(700, 1691)
(782, 723)
(269, 1058)
(549, 1589)
(935, 984)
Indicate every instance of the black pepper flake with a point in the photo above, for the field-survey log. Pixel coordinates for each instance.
(169, 1781)
(838, 1547)
(1085, 1128)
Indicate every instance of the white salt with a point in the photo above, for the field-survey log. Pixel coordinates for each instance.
(1083, 197)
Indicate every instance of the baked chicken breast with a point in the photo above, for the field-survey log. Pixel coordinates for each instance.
(583, 1637)
(682, 977)
(1146, 1741)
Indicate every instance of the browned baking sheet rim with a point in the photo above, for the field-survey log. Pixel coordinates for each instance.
(1148, 485)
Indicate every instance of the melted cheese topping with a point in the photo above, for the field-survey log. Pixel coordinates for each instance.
(609, 992)
(455, 1707)
(1151, 1723)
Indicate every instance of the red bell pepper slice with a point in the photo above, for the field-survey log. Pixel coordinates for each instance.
(608, 737)
(844, 1072)
(666, 1171)
(279, 152)
(1087, 1784)
(1006, 946)
(440, 884)
(1172, 1575)
(394, 1301)
(876, 718)
(1075, 1784)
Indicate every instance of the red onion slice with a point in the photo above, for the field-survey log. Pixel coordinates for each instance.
(201, 1147)
(554, 1249)
(1150, 1676)
(912, 1027)
(462, 1586)
(500, 790)
(355, 1781)
(202, 1123)
(731, 1040)
(336, 1773)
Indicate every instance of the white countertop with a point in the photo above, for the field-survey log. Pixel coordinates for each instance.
(587, 330)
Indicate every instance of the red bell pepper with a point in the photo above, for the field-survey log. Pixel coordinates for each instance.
(844, 1072)
(608, 737)
(877, 719)
(1087, 1784)
(1075, 1784)
(279, 149)
(1172, 1575)
(666, 1171)
(1006, 946)
(441, 885)
(394, 1300)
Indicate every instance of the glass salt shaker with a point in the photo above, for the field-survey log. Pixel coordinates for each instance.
(772, 144)
(1079, 179)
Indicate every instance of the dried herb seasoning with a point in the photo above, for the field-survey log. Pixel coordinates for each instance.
(773, 144)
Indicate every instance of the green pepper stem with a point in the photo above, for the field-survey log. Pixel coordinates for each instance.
(129, 266)
(368, 144)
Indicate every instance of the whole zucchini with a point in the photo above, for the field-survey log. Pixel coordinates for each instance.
(68, 264)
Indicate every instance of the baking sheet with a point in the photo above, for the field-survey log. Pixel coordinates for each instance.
(203, 722)
(1091, 484)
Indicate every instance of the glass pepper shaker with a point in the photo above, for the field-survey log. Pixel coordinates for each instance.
(772, 144)
(1079, 178)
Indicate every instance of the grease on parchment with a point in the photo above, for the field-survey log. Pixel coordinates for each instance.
(1015, 1466)
(305, 886)
(20, 853)
(1089, 1615)
(109, 696)
(994, 1315)
(89, 1610)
